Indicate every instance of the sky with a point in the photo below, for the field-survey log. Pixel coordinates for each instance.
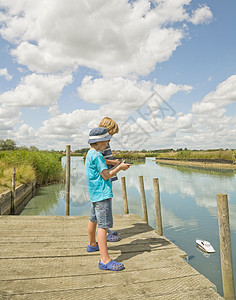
(164, 70)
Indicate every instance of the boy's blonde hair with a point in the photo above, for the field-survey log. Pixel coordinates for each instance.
(110, 125)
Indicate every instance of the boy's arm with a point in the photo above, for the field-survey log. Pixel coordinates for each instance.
(112, 162)
(107, 174)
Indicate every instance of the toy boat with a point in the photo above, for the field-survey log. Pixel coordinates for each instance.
(205, 246)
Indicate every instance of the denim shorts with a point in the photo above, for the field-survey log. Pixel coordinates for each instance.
(101, 213)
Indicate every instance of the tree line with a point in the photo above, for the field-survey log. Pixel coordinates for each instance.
(9, 144)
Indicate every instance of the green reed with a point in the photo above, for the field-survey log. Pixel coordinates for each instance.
(44, 167)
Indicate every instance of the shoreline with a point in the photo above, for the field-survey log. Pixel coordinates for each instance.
(206, 165)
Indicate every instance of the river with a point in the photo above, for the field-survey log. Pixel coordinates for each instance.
(188, 203)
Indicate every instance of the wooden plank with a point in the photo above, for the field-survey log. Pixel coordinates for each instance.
(29, 267)
(111, 288)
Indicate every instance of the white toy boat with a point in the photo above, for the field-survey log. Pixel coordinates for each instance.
(205, 246)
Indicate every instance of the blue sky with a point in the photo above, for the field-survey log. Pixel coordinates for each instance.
(65, 66)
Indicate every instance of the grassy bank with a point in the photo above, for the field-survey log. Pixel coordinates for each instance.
(197, 165)
(214, 156)
(129, 156)
(219, 159)
(44, 167)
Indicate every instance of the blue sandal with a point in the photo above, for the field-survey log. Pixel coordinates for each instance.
(92, 249)
(112, 238)
(111, 265)
(113, 232)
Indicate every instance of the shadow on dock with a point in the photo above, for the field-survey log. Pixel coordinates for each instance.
(137, 246)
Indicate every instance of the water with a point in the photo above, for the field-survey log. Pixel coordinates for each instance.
(188, 202)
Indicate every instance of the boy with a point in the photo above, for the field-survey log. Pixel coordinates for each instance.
(112, 129)
(100, 193)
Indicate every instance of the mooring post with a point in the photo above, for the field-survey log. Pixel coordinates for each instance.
(67, 188)
(13, 198)
(143, 198)
(225, 247)
(124, 194)
(157, 205)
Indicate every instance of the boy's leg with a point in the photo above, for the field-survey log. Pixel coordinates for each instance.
(112, 232)
(102, 243)
(92, 224)
(91, 233)
(104, 218)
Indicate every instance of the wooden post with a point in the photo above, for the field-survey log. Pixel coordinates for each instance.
(143, 198)
(13, 198)
(124, 194)
(67, 188)
(225, 247)
(157, 205)
(32, 190)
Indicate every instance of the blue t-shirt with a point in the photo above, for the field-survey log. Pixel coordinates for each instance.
(99, 189)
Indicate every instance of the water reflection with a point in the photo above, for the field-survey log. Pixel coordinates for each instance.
(46, 201)
(171, 220)
(202, 187)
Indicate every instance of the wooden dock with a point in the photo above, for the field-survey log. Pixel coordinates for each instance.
(43, 257)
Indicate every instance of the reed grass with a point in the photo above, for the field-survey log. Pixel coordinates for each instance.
(42, 166)
(24, 174)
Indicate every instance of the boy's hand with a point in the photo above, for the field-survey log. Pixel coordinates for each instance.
(107, 174)
(124, 166)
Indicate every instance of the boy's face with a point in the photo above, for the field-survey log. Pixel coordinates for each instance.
(102, 145)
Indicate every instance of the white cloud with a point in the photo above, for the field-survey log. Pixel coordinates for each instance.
(4, 73)
(185, 121)
(224, 94)
(201, 15)
(54, 110)
(213, 102)
(212, 127)
(124, 93)
(9, 117)
(26, 133)
(42, 58)
(171, 11)
(116, 37)
(203, 108)
(66, 127)
(56, 132)
(36, 90)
